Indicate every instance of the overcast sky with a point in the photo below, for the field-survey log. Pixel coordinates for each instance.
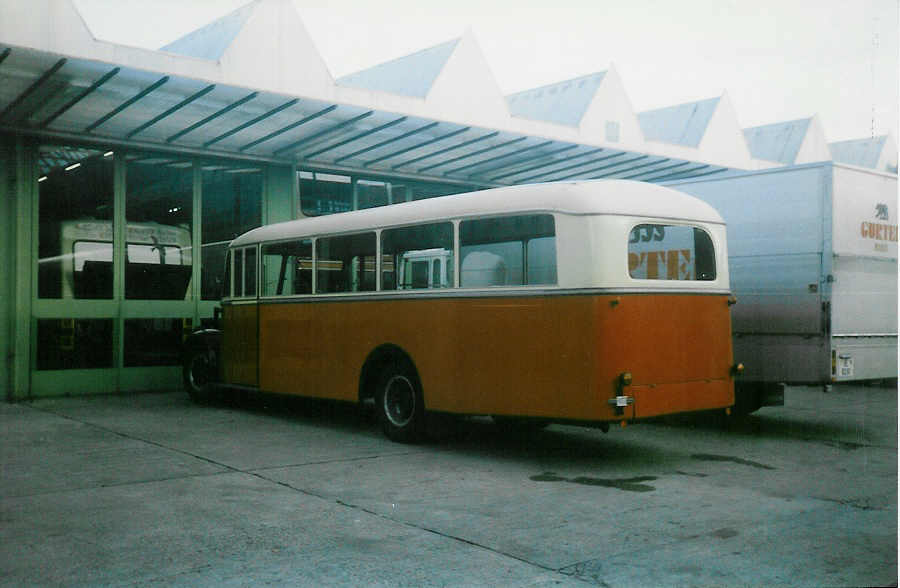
(777, 59)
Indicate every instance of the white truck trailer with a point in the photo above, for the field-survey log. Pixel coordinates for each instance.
(813, 263)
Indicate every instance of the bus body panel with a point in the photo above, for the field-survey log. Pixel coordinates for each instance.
(470, 353)
(677, 348)
(240, 349)
(556, 356)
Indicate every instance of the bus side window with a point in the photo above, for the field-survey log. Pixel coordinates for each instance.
(345, 263)
(541, 260)
(417, 257)
(508, 251)
(436, 273)
(287, 268)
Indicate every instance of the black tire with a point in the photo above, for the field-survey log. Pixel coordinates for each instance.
(399, 403)
(199, 374)
(747, 399)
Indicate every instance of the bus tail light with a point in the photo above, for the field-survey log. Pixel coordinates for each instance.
(621, 400)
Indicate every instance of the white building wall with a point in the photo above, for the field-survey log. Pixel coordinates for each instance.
(612, 105)
(466, 89)
(724, 141)
(273, 51)
(887, 161)
(814, 147)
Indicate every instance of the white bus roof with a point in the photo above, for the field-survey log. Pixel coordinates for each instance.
(610, 197)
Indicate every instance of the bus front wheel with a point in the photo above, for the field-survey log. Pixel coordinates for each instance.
(399, 403)
(199, 371)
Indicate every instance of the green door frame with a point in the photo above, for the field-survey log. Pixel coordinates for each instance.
(279, 202)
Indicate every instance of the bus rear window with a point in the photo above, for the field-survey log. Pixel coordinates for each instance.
(671, 252)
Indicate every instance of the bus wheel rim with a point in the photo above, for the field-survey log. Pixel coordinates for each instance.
(399, 401)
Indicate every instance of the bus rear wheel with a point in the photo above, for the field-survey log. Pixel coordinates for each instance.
(399, 403)
(198, 373)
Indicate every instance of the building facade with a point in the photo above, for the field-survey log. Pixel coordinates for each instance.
(124, 172)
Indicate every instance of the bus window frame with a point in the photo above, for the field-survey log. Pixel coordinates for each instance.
(531, 213)
(376, 232)
(379, 290)
(242, 251)
(454, 250)
(282, 278)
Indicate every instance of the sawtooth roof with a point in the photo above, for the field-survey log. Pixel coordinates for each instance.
(563, 102)
(862, 152)
(211, 41)
(411, 75)
(682, 124)
(779, 141)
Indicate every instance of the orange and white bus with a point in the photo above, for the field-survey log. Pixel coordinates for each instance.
(582, 302)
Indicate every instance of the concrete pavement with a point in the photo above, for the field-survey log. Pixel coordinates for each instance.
(151, 489)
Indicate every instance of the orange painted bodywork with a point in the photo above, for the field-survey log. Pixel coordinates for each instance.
(550, 356)
(240, 348)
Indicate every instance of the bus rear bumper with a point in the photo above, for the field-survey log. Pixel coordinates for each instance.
(653, 400)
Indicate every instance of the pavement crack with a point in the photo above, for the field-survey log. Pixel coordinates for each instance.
(857, 503)
(114, 485)
(407, 524)
(330, 461)
(737, 460)
(257, 474)
(142, 440)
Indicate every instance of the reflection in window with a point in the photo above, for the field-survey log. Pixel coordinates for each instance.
(324, 193)
(232, 205)
(158, 210)
(287, 268)
(540, 256)
(67, 343)
(154, 342)
(75, 187)
(508, 251)
(424, 190)
(345, 263)
(371, 193)
(670, 252)
(417, 257)
(213, 281)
